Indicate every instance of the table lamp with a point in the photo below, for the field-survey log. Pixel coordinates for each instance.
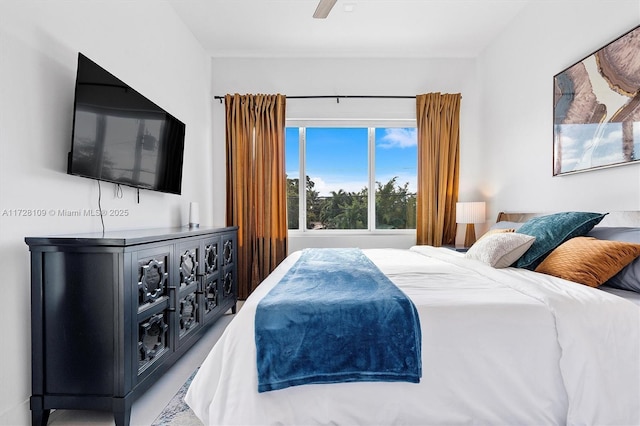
(470, 213)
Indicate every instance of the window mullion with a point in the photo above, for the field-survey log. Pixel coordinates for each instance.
(302, 186)
(372, 179)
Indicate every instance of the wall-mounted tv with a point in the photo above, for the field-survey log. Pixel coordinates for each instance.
(122, 137)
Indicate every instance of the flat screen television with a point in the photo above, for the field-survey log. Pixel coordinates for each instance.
(122, 137)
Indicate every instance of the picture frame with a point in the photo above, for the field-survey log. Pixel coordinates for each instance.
(596, 109)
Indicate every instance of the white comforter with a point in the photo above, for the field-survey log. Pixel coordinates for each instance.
(499, 346)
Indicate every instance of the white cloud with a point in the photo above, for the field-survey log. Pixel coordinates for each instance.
(399, 138)
(324, 188)
(319, 184)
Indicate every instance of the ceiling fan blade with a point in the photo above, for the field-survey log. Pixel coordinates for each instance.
(323, 9)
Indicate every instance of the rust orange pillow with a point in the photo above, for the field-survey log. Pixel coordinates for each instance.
(589, 261)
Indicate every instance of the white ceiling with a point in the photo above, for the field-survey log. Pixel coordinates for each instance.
(375, 28)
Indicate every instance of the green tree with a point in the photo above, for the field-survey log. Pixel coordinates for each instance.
(314, 204)
(293, 203)
(345, 210)
(395, 206)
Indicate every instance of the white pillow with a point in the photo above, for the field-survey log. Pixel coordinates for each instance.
(500, 250)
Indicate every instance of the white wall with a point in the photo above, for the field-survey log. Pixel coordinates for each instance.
(143, 43)
(506, 115)
(517, 72)
(314, 76)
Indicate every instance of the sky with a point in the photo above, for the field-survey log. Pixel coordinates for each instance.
(337, 157)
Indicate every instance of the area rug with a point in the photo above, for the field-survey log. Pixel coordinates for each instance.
(177, 412)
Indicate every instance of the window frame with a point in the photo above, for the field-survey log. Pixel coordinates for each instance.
(370, 125)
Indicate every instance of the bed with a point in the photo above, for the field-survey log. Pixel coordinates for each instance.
(500, 345)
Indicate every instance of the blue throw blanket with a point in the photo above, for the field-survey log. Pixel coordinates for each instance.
(335, 317)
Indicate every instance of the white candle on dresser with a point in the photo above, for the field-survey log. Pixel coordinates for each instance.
(194, 215)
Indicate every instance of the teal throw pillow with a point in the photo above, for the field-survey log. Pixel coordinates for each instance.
(551, 231)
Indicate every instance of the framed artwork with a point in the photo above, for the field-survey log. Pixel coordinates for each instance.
(596, 109)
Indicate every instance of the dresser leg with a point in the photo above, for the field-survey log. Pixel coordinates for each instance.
(39, 417)
(122, 411)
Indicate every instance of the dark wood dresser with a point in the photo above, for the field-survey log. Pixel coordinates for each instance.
(111, 313)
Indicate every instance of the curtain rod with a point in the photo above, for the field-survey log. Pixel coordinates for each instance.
(338, 97)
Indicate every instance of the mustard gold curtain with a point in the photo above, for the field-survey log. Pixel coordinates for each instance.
(256, 184)
(438, 125)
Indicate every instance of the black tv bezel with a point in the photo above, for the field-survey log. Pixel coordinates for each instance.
(178, 163)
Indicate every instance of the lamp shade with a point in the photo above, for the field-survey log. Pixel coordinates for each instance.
(470, 212)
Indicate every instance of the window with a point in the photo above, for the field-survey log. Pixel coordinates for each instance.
(339, 166)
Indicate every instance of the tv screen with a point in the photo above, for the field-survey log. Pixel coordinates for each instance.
(122, 137)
